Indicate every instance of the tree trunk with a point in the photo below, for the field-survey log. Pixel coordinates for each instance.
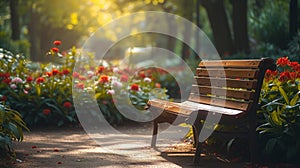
(33, 36)
(293, 17)
(14, 20)
(220, 27)
(197, 35)
(187, 14)
(240, 26)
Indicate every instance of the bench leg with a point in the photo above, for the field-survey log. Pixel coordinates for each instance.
(154, 134)
(253, 147)
(196, 130)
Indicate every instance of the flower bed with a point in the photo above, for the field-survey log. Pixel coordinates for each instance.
(43, 92)
(279, 129)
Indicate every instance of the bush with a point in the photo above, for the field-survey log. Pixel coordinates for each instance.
(279, 129)
(43, 92)
(19, 46)
(11, 129)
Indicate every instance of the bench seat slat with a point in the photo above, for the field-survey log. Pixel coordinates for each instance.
(234, 104)
(227, 73)
(220, 82)
(237, 94)
(187, 107)
(231, 63)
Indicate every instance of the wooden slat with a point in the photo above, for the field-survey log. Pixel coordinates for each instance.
(237, 94)
(187, 107)
(239, 105)
(231, 63)
(222, 82)
(227, 73)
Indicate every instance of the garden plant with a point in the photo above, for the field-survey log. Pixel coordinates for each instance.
(279, 116)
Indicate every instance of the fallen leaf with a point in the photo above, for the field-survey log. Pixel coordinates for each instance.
(33, 147)
(59, 162)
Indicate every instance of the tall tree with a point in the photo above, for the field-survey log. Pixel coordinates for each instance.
(15, 23)
(188, 14)
(240, 25)
(220, 27)
(293, 17)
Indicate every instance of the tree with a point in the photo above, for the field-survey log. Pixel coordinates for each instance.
(293, 17)
(219, 25)
(240, 26)
(15, 24)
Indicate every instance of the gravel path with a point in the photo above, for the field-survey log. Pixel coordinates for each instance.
(70, 147)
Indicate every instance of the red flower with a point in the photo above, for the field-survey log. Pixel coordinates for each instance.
(6, 80)
(82, 78)
(295, 66)
(124, 78)
(3, 98)
(57, 42)
(55, 71)
(29, 79)
(135, 87)
(157, 85)
(49, 74)
(103, 79)
(5, 75)
(55, 49)
(142, 74)
(76, 74)
(293, 75)
(270, 74)
(40, 80)
(284, 76)
(100, 69)
(65, 71)
(80, 85)
(283, 61)
(67, 104)
(46, 111)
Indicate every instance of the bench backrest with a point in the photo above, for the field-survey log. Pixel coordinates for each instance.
(234, 84)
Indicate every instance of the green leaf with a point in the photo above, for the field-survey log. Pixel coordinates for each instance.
(294, 100)
(283, 94)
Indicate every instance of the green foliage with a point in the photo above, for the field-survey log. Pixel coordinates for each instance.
(43, 95)
(11, 129)
(279, 129)
(19, 46)
(269, 24)
(43, 92)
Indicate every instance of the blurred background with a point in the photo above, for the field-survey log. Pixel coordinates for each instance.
(238, 29)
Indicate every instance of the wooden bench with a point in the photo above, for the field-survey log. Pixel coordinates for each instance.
(228, 88)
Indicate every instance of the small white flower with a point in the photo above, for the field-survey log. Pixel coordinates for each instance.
(90, 73)
(148, 80)
(115, 70)
(117, 84)
(13, 86)
(17, 80)
(111, 92)
(114, 78)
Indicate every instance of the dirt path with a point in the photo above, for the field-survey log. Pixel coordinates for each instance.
(74, 148)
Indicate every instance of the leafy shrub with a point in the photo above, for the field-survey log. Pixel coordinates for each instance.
(19, 46)
(11, 129)
(43, 92)
(270, 24)
(279, 129)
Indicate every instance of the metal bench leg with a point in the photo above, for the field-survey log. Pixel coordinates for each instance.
(196, 130)
(154, 134)
(253, 143)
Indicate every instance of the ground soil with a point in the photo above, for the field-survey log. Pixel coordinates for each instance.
(72, 147)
